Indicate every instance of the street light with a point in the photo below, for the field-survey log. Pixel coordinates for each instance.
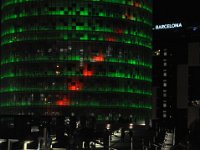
(2, 140)
(53, 142)
(25, 144)
(131, 134)
(131, 126)
(108, 127)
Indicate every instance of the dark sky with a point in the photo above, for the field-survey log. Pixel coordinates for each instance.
(168, 11)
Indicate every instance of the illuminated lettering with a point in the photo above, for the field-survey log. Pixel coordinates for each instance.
(168, 26)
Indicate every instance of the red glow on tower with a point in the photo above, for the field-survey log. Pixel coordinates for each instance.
(137, 5)
(110, 39)
(127, 16)
(120, 31)
(63, 102)
(87, 72)
(99, 57)
(75, 86)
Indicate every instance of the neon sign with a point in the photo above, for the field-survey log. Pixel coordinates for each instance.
(168, 26)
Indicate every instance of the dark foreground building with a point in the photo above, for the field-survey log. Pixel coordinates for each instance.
(88, 56)
(176, 78)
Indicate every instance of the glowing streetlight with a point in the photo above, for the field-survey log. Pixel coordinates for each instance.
(2, 140)
(131, 126)
(108, 126)
(52, 143)
(131, 134)
(25, 144)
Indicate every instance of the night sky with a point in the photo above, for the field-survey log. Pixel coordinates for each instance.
(168, 11)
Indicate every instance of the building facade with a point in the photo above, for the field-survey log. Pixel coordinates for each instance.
(188, 91)
(175, 77)
(170, 49)
(88, 56)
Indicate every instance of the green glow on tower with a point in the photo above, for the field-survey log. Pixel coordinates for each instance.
(76, 54)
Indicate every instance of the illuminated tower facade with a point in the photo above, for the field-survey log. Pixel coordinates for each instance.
(82, 56)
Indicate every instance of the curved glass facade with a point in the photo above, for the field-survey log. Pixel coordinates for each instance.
(91, 56)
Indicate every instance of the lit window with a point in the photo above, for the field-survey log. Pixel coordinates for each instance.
(157, 53)
(164, 84)
(164, 114)
(165, 53)
(164, 105)
(164, 94)
(165, 64)
(165, 74)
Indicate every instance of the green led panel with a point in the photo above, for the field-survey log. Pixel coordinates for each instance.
(62, 58)
(131, 3)
(76, 54)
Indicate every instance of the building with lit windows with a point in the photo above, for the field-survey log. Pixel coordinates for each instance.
(81, 56)
(176, 77)
(170, 50)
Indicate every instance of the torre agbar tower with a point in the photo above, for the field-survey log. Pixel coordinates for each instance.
(81, 56)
